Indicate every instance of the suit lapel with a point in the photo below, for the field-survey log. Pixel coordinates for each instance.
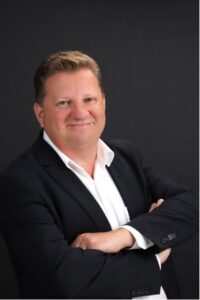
(115, 173)
(128, 185)
(70, 183)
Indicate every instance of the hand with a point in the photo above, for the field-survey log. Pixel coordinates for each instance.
(156, 204)
(108, 242)
(163, 255)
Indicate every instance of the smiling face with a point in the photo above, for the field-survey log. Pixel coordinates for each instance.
(73, 109)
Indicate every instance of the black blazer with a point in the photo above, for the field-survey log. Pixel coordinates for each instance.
(44, 206)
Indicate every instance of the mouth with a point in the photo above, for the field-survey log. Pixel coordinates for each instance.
(80, 124)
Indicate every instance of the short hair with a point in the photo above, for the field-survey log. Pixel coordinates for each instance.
(64, 61)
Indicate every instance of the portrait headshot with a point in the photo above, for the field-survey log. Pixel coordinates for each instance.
(99, 154)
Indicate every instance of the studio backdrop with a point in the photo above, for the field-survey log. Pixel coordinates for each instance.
(148, 53)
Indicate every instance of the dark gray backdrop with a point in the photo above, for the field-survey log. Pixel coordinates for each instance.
(148, 52)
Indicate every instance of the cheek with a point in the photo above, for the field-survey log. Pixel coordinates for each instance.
(98, 112)
(54, 119)
(60, 116)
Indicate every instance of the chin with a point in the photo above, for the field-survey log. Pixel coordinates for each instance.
(81, 142)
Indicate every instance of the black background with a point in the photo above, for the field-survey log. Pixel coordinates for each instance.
(148, 53)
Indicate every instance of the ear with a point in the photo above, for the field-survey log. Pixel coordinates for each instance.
(38, 110)
(104, 101)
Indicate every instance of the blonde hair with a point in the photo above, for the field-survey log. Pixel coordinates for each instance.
(65, 61)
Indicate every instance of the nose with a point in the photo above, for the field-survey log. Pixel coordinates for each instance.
(79, 110)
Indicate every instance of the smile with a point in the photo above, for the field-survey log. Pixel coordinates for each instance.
(80, 125)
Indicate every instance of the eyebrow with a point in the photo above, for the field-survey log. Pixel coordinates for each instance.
(84, 96)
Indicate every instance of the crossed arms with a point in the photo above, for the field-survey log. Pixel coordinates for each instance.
(115, 240)
(40, 222)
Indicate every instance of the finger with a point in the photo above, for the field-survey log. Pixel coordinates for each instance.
(75, 244)
(83, 246)
(78, 244)
(152, 207)
(163, 255)
(160, 201)
(156, 204)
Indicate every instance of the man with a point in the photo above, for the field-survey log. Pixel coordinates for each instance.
(83, 218)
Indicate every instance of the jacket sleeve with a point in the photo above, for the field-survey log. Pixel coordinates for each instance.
(176, 219)
(47, 267)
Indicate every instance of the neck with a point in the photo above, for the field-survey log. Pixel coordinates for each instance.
(84, 157)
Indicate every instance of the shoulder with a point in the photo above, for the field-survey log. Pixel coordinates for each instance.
(126, 152)
(24, 174)
(18, 175)
(23, 165)
(124, 147)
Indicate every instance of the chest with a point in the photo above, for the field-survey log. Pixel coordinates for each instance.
(79, 207)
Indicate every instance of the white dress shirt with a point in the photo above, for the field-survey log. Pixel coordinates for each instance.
(105, 192)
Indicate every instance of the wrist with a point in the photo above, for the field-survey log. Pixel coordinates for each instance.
(126, 237)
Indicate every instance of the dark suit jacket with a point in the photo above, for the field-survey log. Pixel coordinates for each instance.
(44, 206)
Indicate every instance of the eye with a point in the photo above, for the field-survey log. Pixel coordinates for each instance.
(63, 103)
(90, 99)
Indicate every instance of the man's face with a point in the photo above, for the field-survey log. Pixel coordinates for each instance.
(73, 109)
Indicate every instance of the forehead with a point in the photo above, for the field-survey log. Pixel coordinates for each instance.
(72, 84)
(76, 79)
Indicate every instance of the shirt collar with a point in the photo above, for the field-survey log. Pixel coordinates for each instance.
(105, 155)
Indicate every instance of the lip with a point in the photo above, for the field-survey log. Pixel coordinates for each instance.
(80, 125)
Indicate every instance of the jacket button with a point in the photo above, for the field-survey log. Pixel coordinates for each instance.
(146, 292)
(140, 293)
(134, 293)
(171, 236)
(168, 238)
